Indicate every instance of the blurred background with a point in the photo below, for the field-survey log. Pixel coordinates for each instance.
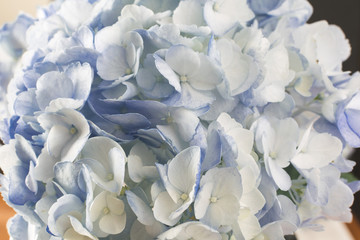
(344, 13)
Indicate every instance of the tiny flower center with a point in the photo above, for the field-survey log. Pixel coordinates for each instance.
(169, 118)
(273, 155)
(106, 210)
(183, 78)
(216, 7)
(110, 176)
(213, 199)
(184, 196)
(73, 130)
(128, 71)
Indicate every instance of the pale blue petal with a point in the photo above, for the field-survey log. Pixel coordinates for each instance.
(26, 103)
(112, 64)
(53, 85)
(82, 77)
(168, 73)
(141, 209)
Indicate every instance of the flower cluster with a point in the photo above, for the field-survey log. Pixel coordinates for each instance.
(159, 119)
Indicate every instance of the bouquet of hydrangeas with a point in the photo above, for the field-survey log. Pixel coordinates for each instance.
(168, 119)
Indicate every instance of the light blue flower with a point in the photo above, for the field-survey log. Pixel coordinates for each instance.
(126, 116)
(108, 213)
(218, 200)
(12, 45)
(66, 132)
(283, 213)
(291, 14)
(18, 164)
(192, 74)
(346, 116)
(120, 62)
(189, 17)
(152, 84)
(69, 89)
(105, 160)
(264, 6)
(316, 150)
(182, 128)
(277, 140)
(240, 70)
(180, 192)
(66, 216)
(19, 228)
(174, 119)
(221, 16)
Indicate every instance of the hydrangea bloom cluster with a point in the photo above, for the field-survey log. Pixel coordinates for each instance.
(191, 119)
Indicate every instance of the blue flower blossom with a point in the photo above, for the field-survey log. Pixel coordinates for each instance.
(158, 119)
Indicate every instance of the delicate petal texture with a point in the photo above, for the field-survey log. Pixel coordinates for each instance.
(140, 208)
(112, 63)
(73, 129)
(188, 160)
(321, 149)
(183, 60)
(51, 86)
(175, 119)
(112, 224)
(163, 207)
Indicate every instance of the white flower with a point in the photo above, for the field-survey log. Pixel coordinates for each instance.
(316, 150)
(222, 15)
(322, 44)
(105, 160)
(277, 140)
(107, 211)
(218, 201)
(141, 163)
(180, 178)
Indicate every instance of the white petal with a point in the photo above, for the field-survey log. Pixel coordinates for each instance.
(115, 205)
(202, 200)
(207, 75)
(58, 137)
(82, 77)
(112, 224)
(98, 148)
(249, 227)
(52, 85)
(141, 209)
(254, 200)
(188, 13)
(186, 123)
(163, 207)
(97, 206)
(168, 73)
(112, 64)
(321, 150)
(183, 169)
(117, 164)
(44, 166)
(183, 60)
(280, 176)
